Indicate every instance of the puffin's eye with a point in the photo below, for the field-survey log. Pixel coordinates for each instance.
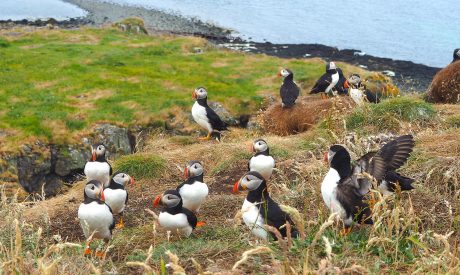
(123, 176)
(92, 187)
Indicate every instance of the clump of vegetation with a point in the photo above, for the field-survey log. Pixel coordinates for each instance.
(389, 114)
(453, 121)
(141, 166)
(132, 24)
(4, 43)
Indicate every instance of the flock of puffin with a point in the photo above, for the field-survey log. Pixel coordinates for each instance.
(344, 188)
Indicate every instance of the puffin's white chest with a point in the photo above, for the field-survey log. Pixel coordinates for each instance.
(334, 80)
(200, 117)
(95, 170)
(262, 164)
(253, 219)
(115, 198)
(357, 95)
(175, 222)
(193, 195)
(95, 217)
(329, 191)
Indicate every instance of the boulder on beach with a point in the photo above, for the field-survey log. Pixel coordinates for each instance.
(445, 87)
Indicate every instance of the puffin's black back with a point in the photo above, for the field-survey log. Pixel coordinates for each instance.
(289, 91)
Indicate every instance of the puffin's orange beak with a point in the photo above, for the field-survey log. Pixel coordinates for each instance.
(186, 173)
(345, 85)
(193, 95)
(279, 74)
(132, 181)
(235, 187)
(326, 157)
(156, 202)
(102, 196)
(93, 157)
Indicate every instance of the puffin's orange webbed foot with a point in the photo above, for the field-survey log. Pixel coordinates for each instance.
(345, 231)
(208, 137)
(100, 254)
(88, 251)
(120, 225)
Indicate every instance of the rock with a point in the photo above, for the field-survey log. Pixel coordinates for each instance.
(253, 123)
(223, 113)
(32, 169)
(116, 139)
(445, 87)
(70, 159)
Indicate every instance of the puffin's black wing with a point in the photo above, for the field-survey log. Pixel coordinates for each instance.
(322, 83)
(371, 97)
(111, 171)
(191, 218)
(214, 119)
(289, 92)
(276, 217)
(353, 201)
(391, 156)
(126, 200)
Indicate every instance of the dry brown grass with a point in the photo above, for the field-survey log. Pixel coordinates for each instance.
(302, 117)
(414, 232)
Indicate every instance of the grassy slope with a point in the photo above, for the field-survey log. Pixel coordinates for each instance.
(416, 231)
(413, 232)
(54, 84)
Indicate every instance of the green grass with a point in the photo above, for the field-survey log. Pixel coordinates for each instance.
(86, 76)
(453, 121)
(141, 166)
(389, 113)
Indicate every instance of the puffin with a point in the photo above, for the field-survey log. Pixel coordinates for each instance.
(327, 82)
(261, 161)
(456, 55)
(344, 188)
(193, 190)
(116, 195)
(358, 91)
(95, 216)
(174, 216)
(205, 116)
(289, 90)
(98, 168)
(260, 209)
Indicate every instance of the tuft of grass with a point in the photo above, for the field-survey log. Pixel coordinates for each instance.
(453, 121)
(389, 114)
(4, 43)
(141, 166)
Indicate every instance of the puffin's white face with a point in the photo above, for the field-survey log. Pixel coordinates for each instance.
(458, 53)
(259, 146)
(284, 72)
(170, 200)
(192, 169)
(94, 190)
(98, 151)
(200, 93)
(249, 182)
(331, 66)
(123, 179)
(354, 79)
